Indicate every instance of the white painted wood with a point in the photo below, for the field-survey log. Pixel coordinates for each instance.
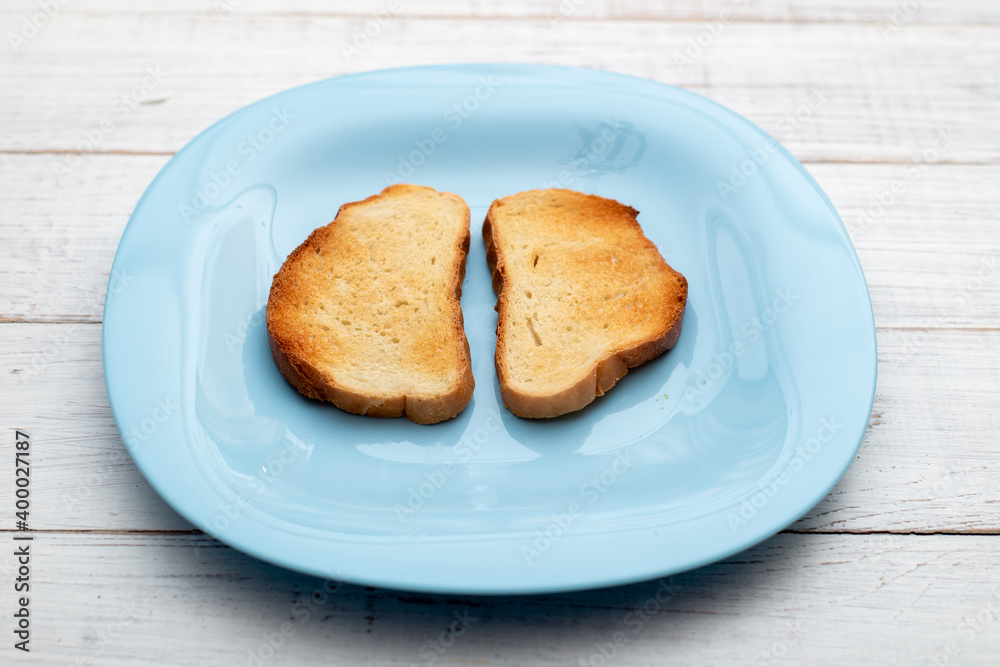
(931, 252)
(884, 11)
(820, 600)
(828, 593)
(932, 258)
(888, 96)
(928, 463)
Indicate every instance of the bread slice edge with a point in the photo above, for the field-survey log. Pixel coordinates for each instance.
(311, 382)
(600, 377)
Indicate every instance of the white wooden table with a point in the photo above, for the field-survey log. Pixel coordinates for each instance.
(899, 565)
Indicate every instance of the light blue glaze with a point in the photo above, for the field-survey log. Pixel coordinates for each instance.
(739, 430)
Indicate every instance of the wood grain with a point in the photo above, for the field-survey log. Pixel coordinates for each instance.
(899, 565)
(849, 11)
(930, 259)
(928, 463)
(795, 599)
(887, 96)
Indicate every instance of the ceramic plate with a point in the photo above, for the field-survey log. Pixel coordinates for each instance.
(732, 435)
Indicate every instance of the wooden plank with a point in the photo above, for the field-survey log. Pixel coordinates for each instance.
(931, 256)
(885, 106)
(890, 13)
(796, 599)
(82, 475)
(928, 463)
(894, 79)
(64, 245)
(928, 450)
(928, 240)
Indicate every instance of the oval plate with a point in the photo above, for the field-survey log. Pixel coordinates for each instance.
(732, 435)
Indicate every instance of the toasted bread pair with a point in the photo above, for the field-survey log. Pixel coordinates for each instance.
(366, 313)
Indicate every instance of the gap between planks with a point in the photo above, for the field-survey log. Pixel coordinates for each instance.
(100, 531)
(880, 161)
(531, 18)
(787, 531)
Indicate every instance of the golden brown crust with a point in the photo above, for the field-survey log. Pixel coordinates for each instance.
(295, 356)
(603, 374)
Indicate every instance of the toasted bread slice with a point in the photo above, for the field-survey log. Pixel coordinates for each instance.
(366, 313)
(583, 296)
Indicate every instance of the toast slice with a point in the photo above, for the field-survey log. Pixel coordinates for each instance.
(366, 313)
(583, 296)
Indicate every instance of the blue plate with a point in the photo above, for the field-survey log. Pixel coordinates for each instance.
(703, 452)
